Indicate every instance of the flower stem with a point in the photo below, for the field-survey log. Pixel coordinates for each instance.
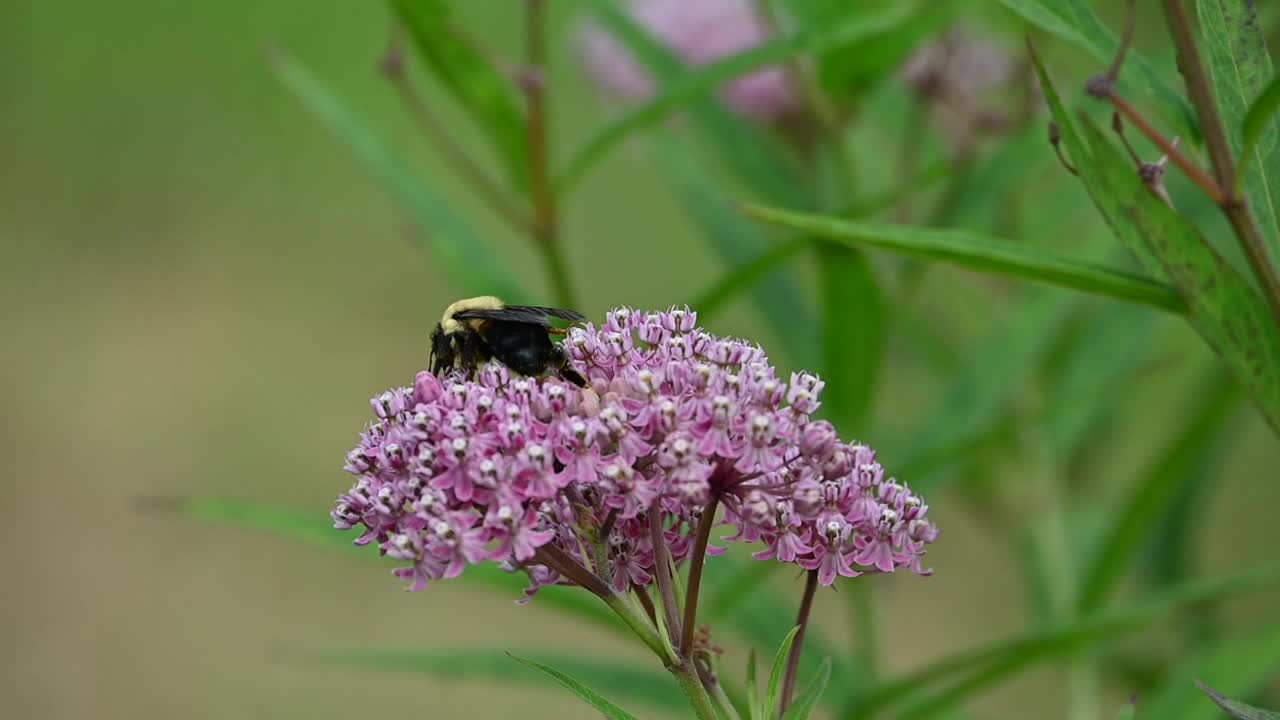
(793, 660)
(662, 572)
(545, 229)
(471, 172)
(696, 561)
(691, 685)
(635, 619)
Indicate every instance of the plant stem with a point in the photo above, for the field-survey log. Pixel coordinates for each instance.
(793, 660)
(560, 561)
(1238, 212)
(471, 172)
(696, 561)
(545, 229)
(866, 641)
(662, 573)
(691, 685)
(640, 625)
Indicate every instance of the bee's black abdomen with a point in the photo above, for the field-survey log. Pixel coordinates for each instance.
(442, 352)
(523, 347)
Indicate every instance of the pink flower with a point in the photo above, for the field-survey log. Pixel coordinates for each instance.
(497, 468)
(698, 32)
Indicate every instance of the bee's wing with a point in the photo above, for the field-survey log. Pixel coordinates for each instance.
(523, 314)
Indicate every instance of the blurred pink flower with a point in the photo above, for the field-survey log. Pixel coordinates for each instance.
(699, 32)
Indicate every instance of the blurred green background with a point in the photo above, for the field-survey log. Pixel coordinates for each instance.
(200, 288)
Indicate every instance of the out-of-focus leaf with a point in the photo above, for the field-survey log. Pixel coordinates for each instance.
(1237, 666)
(1259, 122)
(753, 689)
(982, 388)
(634, 683)
(980, 252)
(774, 689)
(991, 663)
(1235, 708)
(1185, 459)
(1127, 712)
(845, 72)
(1074, 22)
(777, 296)
(1108, 352)
(853, 333)
(679, 87)
(316, 530)
(488, 96)
(1240, 67)
(591, 697)
(745, 276)
(448, 238)
(807, 701)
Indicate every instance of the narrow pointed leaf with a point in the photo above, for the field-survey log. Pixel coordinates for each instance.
(1183, 460)
(635, 683)
(683, 88)
(487, 95)
(988, 664)
(853, 330)
(981, 252)
(807, 701)
(1238, 666)
(448, 238)
(314, 529)
(1259, 122)
(1235, 708)
(740, 279)
(592, 698)
(1240, 67)
(1223, 307)
(774, 688)
(778, 296)
(753, 690)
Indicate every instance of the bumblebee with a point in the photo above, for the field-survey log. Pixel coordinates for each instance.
(478, 329)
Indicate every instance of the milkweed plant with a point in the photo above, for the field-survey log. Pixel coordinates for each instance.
(875, 141)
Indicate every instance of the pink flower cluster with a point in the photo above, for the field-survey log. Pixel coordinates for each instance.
(698, 32)
(674, 421)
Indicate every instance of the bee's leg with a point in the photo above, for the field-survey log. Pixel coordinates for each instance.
(561, 363)
(472, 350)
(443, 353)
(559, 332)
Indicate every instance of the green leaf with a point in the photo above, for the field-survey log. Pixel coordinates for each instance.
(1235, 708)
(753, 690)
(680, 87)
(771, 696)
(983, 387)
(1184, 460)
(448, 238)
(1227, 312)
(990, 663)
(485, 93)
(1259, 122)
(853, 334)
(980, 252)
(807, 701)
(1075, 23)
(745, 276)
(1240, 67)
(635, 683)
(1127, 712)
(1237, 666)
(778, 296)
(611, 711)
(314, 529)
